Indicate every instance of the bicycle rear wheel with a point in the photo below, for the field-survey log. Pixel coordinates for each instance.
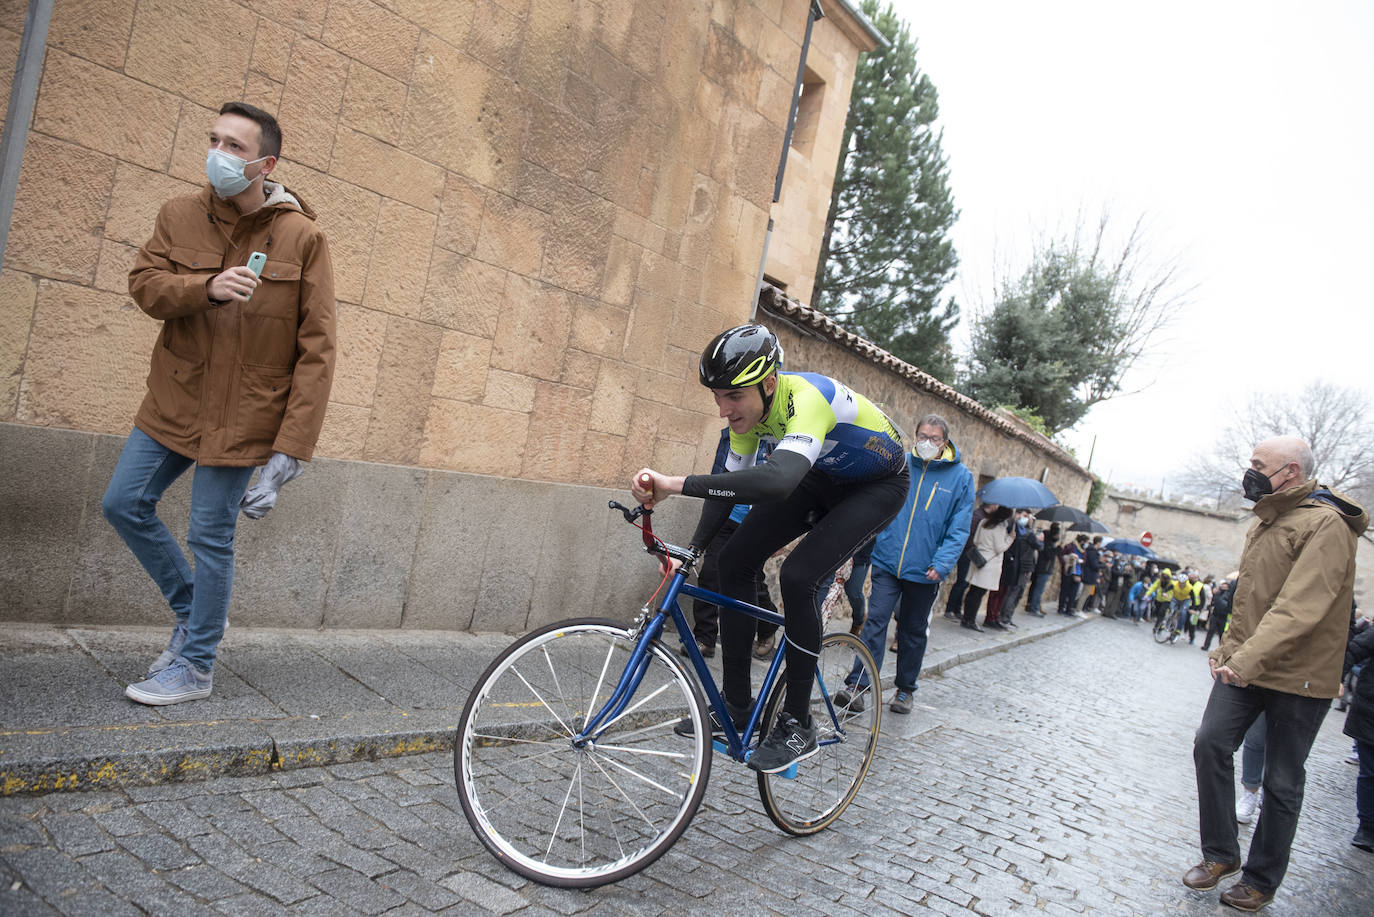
(825, 783)
(569, 816)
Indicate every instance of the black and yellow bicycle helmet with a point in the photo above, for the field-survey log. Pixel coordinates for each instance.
(743, 356)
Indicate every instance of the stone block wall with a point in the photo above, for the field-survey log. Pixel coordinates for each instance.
(538, 209)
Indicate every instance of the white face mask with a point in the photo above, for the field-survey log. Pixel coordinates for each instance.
(926, 450)
(225, 172)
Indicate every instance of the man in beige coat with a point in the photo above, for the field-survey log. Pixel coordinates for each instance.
(1282, 657)
(240, 376)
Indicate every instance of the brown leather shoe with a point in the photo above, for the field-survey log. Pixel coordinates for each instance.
(1244, 897)
(1207, 874)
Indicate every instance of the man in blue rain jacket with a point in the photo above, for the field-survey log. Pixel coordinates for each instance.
(913, 555)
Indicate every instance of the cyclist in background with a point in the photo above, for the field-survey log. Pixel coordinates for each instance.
(1162, 593)
(837, 475)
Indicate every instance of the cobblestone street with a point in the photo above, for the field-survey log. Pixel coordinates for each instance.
(1055, 778)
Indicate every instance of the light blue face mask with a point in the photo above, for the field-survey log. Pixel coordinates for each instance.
(225, 172)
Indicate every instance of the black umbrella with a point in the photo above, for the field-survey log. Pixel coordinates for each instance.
(1062, 513)
(1089, 524)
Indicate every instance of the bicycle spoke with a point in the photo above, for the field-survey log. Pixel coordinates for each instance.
(561, 810)
(516, 740)
(557, 687)
(628, 710)
(645, 730)
(638, 776)
(600, 680)
(515, 671)
(623, 795)
(642, 751)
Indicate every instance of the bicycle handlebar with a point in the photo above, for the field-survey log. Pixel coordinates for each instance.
(652, 543)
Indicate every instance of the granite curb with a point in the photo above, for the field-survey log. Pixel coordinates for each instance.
(65, 725)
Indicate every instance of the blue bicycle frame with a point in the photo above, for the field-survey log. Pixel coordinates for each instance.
(736, 742)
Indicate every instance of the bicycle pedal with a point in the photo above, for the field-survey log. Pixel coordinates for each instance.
(790, 773)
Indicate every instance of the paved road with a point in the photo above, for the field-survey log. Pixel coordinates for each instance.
(1055, 778)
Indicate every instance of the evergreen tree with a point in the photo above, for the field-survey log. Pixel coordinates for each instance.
(885, 258)
(1061, 337)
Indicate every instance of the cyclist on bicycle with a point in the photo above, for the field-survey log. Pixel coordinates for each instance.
(837, 470)
(1161, 591)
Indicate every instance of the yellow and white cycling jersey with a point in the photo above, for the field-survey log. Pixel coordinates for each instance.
(840, 432)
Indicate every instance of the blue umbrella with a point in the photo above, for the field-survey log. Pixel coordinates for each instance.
(1017, 492)
(1126, 546)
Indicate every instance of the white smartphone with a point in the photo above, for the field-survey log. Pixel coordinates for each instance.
(256, 261)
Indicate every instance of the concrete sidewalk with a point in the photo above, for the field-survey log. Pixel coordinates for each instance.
(283, 699)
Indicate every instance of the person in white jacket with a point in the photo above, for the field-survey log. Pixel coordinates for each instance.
(990, 540)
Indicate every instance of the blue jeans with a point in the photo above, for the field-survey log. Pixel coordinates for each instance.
(199, 598)
(1252, 756)
(1037, 589)
(913, 625)
(854, 586)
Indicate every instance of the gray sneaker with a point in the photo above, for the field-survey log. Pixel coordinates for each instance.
(901, 702)
(173, 650)
(179, 682)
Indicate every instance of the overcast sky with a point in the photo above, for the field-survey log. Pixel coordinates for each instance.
(1241, 131)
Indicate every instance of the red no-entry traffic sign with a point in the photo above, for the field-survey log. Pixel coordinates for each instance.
(1146, 540)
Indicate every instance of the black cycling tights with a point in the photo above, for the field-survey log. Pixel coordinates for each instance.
(845, 515)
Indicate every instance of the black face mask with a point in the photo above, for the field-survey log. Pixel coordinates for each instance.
(1256, 484)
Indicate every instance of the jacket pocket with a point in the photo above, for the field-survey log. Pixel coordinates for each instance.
(279, 291)
(195, 260)
(261, 404)
(175, 384)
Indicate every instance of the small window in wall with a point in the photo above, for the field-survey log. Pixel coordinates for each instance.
(808, 113)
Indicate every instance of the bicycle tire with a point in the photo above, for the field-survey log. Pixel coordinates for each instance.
(827, 782)
(1161, 629)
(579, 817)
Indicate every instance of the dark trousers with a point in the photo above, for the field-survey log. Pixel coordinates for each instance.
(1014, 591)
(954, 603)
(972, 599)
(1291, 724)
(705, 616)
(1110, 602)
(1364, 785)
(1068, 592)
(845, 516)
(1216, 625)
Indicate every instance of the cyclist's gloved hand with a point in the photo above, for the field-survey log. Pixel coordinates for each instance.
(262, 496)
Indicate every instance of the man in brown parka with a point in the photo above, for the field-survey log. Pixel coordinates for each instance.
(240, 376)
(1282, 657)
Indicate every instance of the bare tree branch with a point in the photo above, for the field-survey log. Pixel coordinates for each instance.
(1333, 420)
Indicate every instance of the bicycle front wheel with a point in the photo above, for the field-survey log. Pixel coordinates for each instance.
(578, 815)
(824, 784)
(1162, 628)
